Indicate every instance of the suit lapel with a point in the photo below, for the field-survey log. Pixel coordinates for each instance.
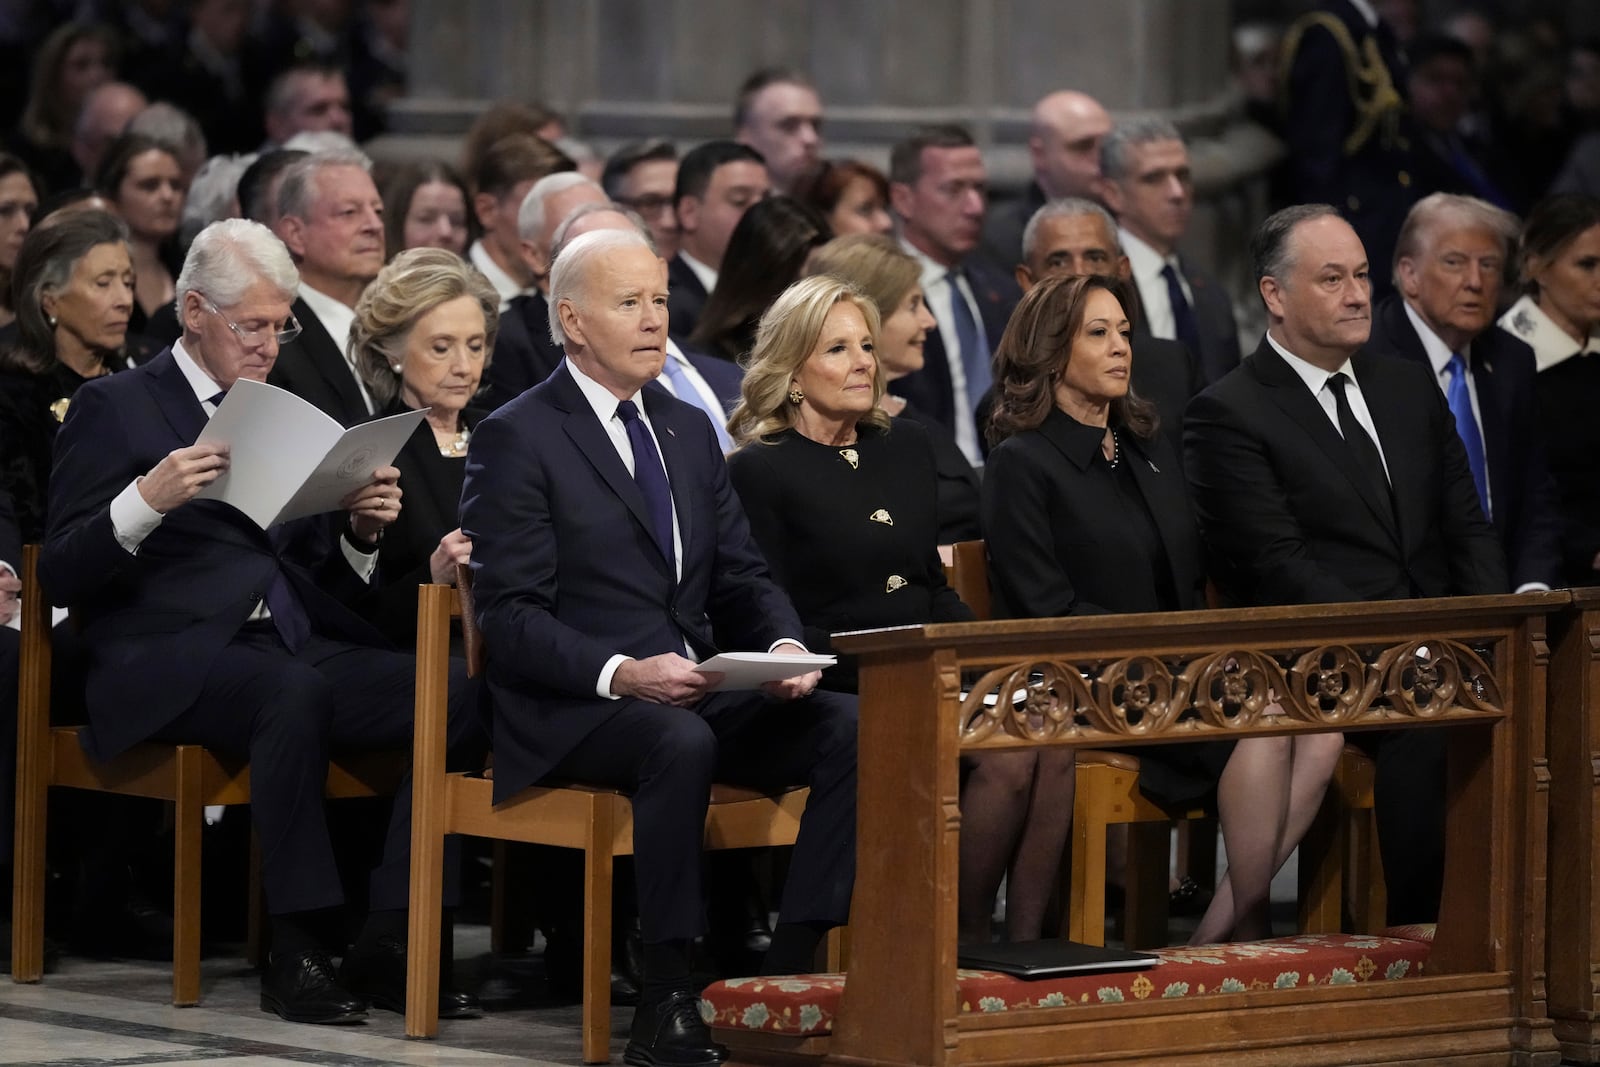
(594, 442)
(675, 457)
(1289, 392)
(1394, 423)
(174, 397)
(1496, 419)
(329, 360)
(1168, 506)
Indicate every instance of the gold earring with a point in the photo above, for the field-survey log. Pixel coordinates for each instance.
(795, 395)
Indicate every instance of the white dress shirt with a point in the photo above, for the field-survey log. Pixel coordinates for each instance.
(504, 284)
(604, 403)
(133, 520)
(1146, 264)
(1316, 380)
(940, 296)
(707, 276)
(694, 378)
(338, 318)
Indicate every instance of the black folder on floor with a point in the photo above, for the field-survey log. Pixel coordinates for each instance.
(1050, 959)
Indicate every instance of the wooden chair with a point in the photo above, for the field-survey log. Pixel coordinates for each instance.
(599, 821)
(1339, 854)
(187, 776)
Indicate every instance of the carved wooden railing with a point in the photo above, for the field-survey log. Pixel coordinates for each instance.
(1473, 666)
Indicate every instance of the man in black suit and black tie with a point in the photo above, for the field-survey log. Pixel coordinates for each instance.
(717, 182)
(1146, 182)
(938, 187)
(331, 219)
(1449, 262)
(239, 638)
(1322, 473)
(1076, 236)
(609, 547)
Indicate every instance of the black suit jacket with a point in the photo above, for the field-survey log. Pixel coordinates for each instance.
(1004, 223)
(1289, 519)
(1213, 313)
(686, 299)
(568, 575)
(1167, 374)
(1051, 524)
(1527, 514)
(524, 354)
(155, 621)
(930, 388)
(313, 367)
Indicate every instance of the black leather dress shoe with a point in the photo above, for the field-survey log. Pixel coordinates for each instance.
(300, 986)
(670, 1033)
(375, 968)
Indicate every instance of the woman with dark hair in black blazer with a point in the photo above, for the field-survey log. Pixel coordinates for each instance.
(1086, 511)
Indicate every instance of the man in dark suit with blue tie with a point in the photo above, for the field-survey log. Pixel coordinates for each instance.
(1449, 261)
(1323, 472)
(610, 552)
(203, 628)
(938, 187)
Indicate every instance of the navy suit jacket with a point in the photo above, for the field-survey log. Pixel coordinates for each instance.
(524, 354)
(930, 389)
(567, 573)
(1288, 517)
(1213, 314)
(155, 621)
(313, 367)
(686, 299)
(1527, 511)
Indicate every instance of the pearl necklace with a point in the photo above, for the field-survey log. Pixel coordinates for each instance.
(456, 447)
(1116, 451)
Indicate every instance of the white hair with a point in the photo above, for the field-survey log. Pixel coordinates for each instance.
(210, 193)
(567, 273)
(1067, 207)
(530, 216)
(296, 190)
(229, 257)
(559, 240)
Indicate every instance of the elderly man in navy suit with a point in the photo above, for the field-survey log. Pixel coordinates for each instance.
(231, 636)
(610, 553)
(1449, 261)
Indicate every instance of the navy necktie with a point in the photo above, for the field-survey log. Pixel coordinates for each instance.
(288, 615)
(651, 477)
(1184, 326)
(974, 346)
(1460, 398)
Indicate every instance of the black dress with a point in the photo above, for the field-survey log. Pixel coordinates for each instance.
(957, 477)
(1068, 533)
(850, 533)
(430, 507)
(31, 409)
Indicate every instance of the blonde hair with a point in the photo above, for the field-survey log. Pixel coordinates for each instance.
(784, 342)
(411, 285)
(874, 263)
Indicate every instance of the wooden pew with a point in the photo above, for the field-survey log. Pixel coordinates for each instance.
(1347, 667)
(1574, 782)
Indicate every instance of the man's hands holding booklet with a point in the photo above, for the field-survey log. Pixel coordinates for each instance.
(671, 679)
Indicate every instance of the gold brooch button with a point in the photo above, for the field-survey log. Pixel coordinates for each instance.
(852, 457)
(59, 408)
(894, 582)
(882, 516)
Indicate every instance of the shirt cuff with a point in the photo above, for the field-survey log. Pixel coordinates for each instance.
(363, 563)
(9, 569)
(797, 643)
(132, 520)
(609, 671)
(1533, 587)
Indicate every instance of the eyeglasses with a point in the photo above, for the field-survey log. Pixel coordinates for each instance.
(290, 330)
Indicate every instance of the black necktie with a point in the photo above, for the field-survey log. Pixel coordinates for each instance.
(1360, 443)
(1184, 325)
(650, 475)
(288, 615)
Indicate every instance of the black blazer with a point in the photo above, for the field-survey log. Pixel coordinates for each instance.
(430, 508)
(1052, 526)
(855, 544)
(1168, 375)
(1213, 314)
(568, 574)
(155, 622)
(1289, 519)
(1527, 513)
(958, 480)
(313, 367)
(686, 299)
(930, 388)
(524, 354)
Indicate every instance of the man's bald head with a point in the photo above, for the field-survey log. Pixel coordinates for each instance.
(1064, 143)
